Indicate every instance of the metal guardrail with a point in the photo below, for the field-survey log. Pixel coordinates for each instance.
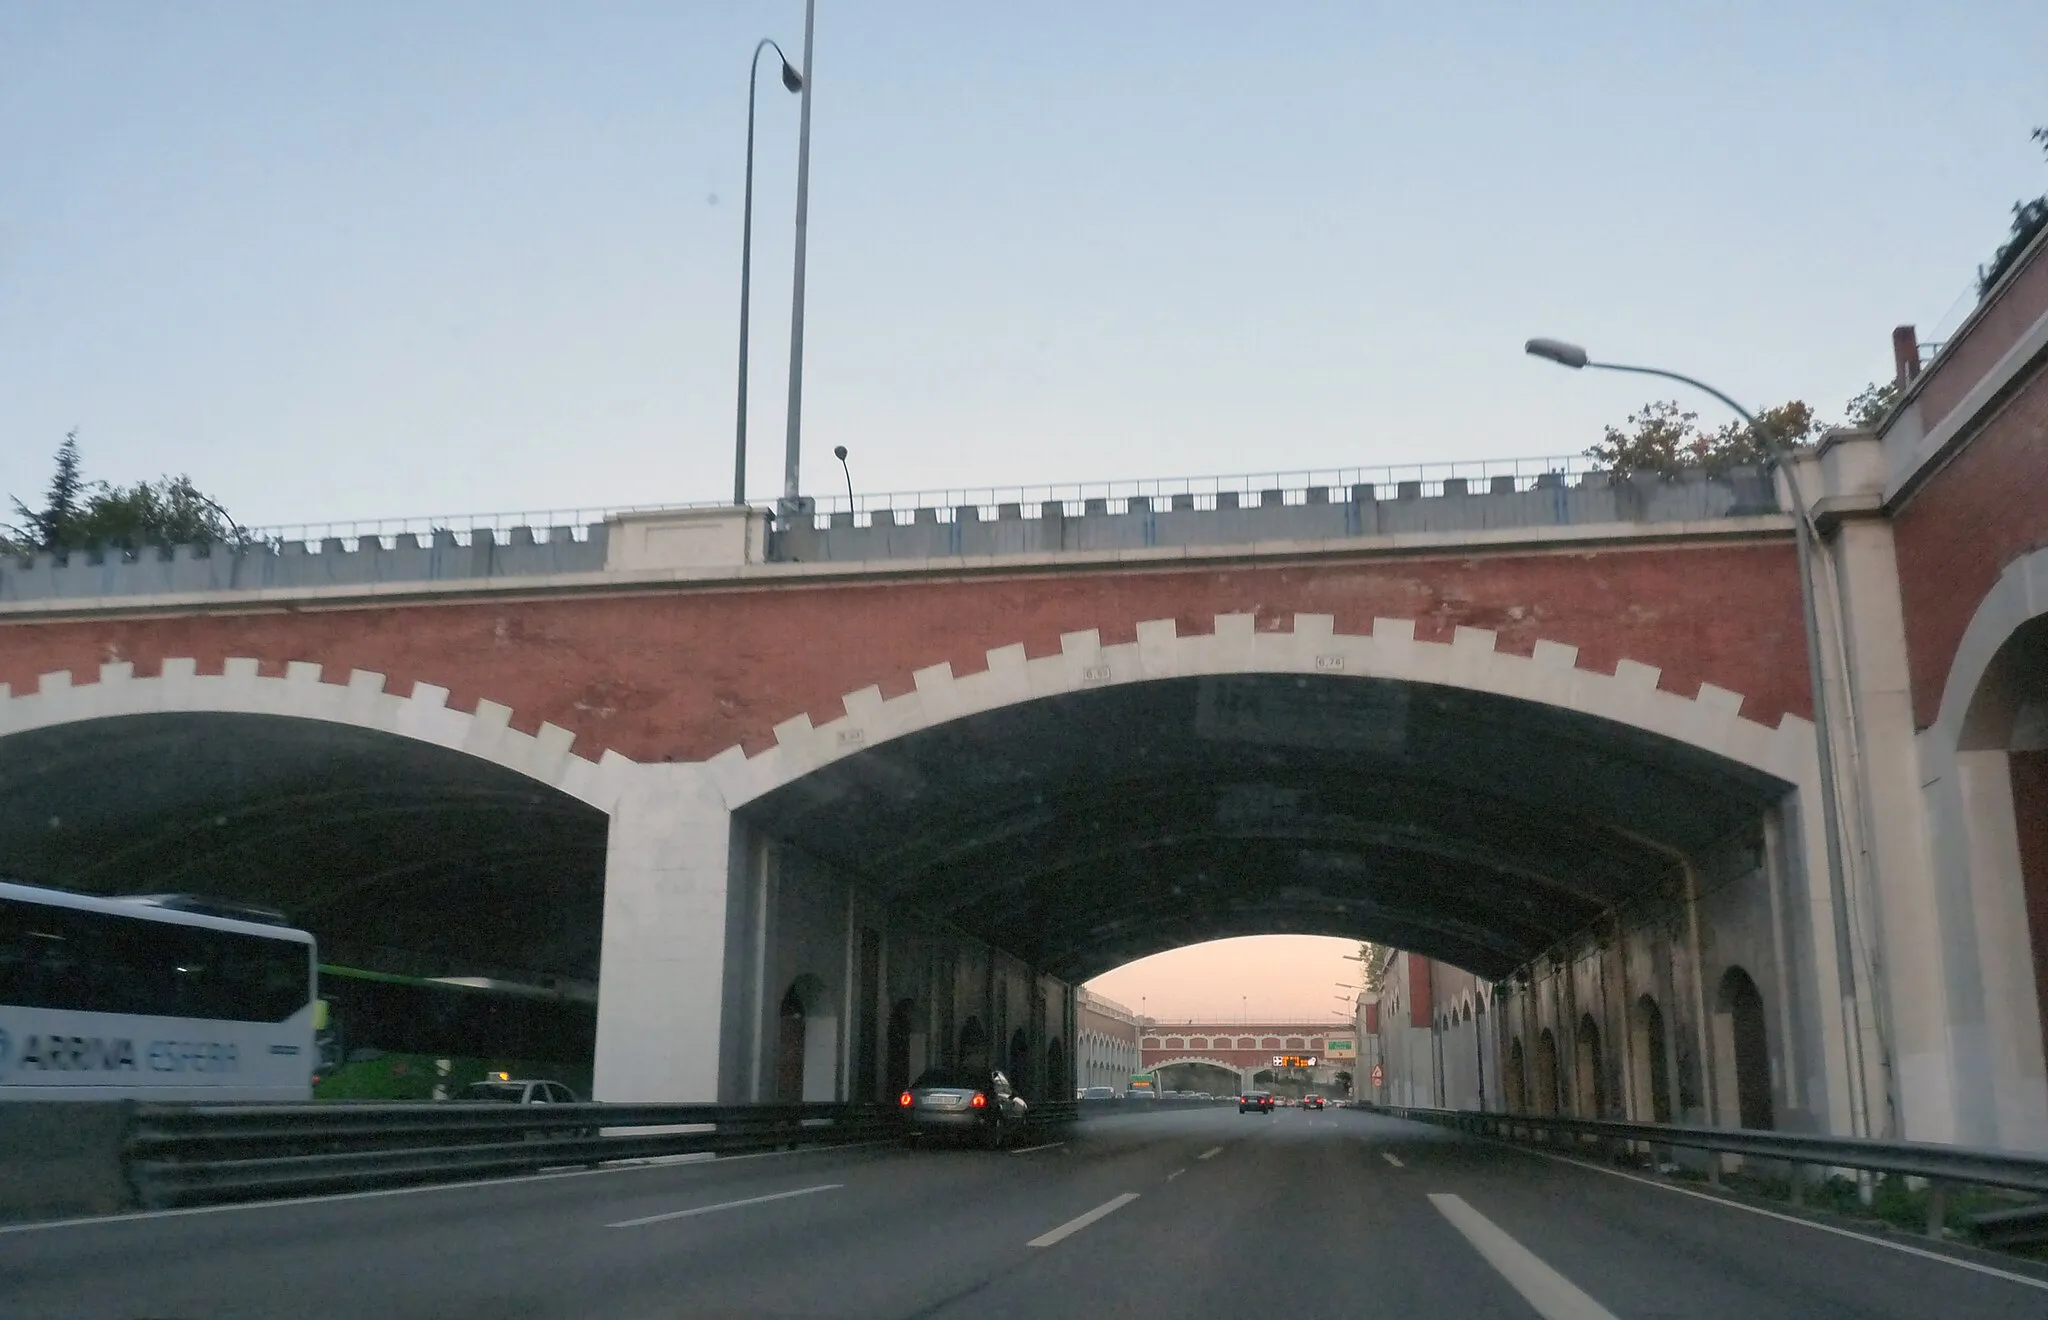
(1942, 1166)
(186, 1154)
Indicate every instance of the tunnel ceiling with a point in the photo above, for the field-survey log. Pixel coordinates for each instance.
(392, 851)
(1086, 830)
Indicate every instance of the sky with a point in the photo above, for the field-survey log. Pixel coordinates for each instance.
(391, 259)
(1261, 977)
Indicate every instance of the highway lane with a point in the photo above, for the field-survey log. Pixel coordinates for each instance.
(1201, 1211)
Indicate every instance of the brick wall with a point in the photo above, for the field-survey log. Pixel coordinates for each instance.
(1987, 507)
(1421, 1006)
(684, 674)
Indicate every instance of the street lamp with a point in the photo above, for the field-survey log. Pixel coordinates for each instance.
(794, 82)
(791, 506)
(1575, 357)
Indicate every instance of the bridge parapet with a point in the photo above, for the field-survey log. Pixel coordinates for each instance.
(1277, 513)
(1204, 512)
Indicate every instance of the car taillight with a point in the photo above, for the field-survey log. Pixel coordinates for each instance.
(979, 1101)
(904, 1099)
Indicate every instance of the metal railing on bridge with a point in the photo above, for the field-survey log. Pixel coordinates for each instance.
(1801, 1155)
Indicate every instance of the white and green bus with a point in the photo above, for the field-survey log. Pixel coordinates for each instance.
(163, 997)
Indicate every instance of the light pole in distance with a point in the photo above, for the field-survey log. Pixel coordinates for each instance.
(794, 82)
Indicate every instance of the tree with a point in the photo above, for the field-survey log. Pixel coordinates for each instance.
(1663, 439)
(1372, 957)
(2028, 219)
(78, 514)
(55, 522)
(1868, 408)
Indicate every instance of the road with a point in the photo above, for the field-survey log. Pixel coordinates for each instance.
(1195, 1212)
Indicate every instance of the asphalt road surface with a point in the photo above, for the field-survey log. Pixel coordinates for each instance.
(1182, 1213)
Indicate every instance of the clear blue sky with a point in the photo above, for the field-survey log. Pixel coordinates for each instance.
(396, 258)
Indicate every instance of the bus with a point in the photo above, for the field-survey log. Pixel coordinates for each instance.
(158, 997)
(387, 1036)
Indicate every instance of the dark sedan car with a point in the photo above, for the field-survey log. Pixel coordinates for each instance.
(1259, 1101)
(971, 1104)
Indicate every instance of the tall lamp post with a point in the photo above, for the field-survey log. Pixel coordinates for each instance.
(1575, 357)
(794, 442)
(794, 82)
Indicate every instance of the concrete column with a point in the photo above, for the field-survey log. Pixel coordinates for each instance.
(1906, 923)
(662, 971)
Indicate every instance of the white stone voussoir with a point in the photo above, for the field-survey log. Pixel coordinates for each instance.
(303, 693)
(1551, 676)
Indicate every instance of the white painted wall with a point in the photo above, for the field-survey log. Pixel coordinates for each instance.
(661, 970)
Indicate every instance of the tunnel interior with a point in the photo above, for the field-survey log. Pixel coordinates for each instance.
(1087, 830)
(397, 854)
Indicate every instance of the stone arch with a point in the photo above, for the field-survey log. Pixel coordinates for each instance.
(1517, 1098)
(1590, 1081)
(974, 1044)
(1210, 1060)
(806, 1053)
(1652, 1062)
(1984, 762)
(1550, 676)
(1742, 1052)
(1545, 1097)
(1017, 1061)
(302, 693)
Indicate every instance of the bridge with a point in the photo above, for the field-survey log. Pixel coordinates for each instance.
(815, 804)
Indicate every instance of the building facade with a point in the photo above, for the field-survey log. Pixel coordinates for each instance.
(1106, 1041)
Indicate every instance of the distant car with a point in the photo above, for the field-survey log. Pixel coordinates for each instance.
(516, 1091)
(1255, 1101)
(1311, 1102)
(503, 1090)
(1099, 1093)
(973, 1104)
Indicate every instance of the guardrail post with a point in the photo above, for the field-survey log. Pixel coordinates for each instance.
(1937, 1208)
(1798, 1171)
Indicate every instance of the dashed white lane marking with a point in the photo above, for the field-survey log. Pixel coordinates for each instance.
(723, 1205)
(1552, 1295)
(1210, 1153)
(1026, 1150)
(1393, 1159)
(1922, 1252)
(1175, 1174)
(1079, 1222)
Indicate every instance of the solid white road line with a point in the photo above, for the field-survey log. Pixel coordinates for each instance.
(611, 1166)
(1210, 1153)
(1026, 1150)
(1392, 1159)
(1075, 1225)
(723, 1205)
(1552, 1295)
(1957, 1261)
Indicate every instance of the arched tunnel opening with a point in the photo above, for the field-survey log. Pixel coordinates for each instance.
(1083, 831)
(456, 903)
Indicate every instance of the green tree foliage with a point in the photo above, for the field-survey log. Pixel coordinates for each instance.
(1664, 439)
(77, 514)
(2028, 219)
(1868, 408)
